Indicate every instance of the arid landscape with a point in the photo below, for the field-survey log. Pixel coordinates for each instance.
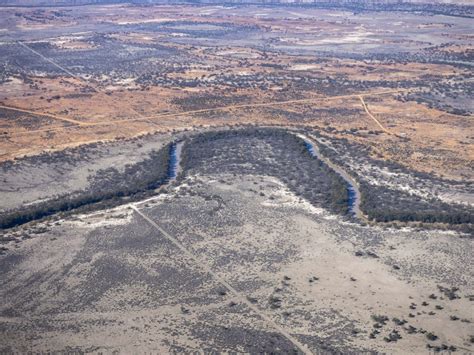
(236, 178)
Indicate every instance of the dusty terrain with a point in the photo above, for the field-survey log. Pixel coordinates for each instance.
(253, 247)
(246, 269)
(101, 72)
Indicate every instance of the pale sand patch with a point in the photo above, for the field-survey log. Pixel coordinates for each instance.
(153, 20)
(305, 67)
(120, 215)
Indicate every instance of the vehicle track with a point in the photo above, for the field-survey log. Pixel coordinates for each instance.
(49, 60)
(49, 115)
(221, 108)
(202, 265)
(361, 98)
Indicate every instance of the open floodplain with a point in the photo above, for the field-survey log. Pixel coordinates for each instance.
(236, 179)
(231, 255)
(242, 259)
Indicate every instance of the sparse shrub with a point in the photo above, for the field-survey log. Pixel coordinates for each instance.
(393, 336)
(380, 319)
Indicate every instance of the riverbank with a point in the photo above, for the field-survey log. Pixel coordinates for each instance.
(352, 186)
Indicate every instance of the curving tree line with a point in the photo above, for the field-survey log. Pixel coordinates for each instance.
(272, 152)
(107, 189)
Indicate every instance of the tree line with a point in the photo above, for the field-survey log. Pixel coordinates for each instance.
(272, 152)
(106, 189)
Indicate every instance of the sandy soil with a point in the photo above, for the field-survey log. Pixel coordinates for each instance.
(111, 281)
(237, 68)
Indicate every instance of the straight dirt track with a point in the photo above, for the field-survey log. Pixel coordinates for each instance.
(208, 110)
(223, 282)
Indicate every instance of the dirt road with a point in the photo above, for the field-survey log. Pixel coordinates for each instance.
(49, 60)
(151, 119)
(199, 263)
(55, 117)
(372, 116)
